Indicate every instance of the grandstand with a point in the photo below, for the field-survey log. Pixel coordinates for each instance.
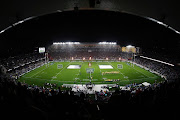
(84, 50)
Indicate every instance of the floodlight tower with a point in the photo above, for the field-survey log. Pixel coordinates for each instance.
(137, 52)
(130, 49)
(46, 59)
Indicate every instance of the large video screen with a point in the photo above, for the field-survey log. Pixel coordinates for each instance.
(41, 49)
(129, 49)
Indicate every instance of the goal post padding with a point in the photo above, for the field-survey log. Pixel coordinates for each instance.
(59, 66)
(90, 70)
(119, 66)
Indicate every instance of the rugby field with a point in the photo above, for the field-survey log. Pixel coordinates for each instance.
(79, 72)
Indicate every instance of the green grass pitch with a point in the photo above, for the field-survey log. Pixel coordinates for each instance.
(52, 73)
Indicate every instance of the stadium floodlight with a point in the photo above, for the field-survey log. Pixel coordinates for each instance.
(65, 43)
(55, 43)
(129, 46)
(107, 43)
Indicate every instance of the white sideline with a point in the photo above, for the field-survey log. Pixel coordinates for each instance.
(59, 72)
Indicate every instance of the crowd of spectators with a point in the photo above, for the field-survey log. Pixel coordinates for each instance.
(41, 103)
(47, 103)
(96, 51)
(95, 55)
(27, 100)
(165, 70)
(21, 60)
(19, 65)
(166, 56)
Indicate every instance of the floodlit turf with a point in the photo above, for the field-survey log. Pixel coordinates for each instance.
(52, 73)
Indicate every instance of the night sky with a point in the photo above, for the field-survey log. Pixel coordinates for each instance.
(166, 11)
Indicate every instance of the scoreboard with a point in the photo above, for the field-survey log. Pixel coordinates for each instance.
(41, 49)
(129, 49)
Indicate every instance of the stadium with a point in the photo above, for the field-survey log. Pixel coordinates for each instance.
(89, 64)
(98, 63)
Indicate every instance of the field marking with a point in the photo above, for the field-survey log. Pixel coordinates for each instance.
(99, 70)
(59, 80)
(61, 70)
(88, 79)
(119, 71)
(141, 72)
(49, 80)
(144, 78)
(91, 80)
(76, 76)
(39, 72)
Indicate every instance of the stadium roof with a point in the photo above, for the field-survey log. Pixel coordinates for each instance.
(166, 11)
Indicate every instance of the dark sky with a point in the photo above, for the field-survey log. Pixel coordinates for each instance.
(91, 26)
(167, 11)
